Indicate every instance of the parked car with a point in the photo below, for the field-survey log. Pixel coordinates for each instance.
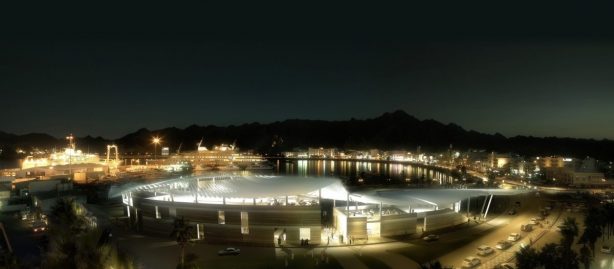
(485, 250)
(526, 227)
(503, 244)
(606, 249)
(39, 226)
(470, 262)
(534, 221)
(513, 237)
(511, 212)
(431, 237)
(229, 251)
(505, 266)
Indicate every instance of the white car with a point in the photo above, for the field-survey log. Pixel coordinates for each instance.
(470, 262)
(526, 227)
(431, 237)
(513, 237)
(485, 250)
(606, 249)
(503, 244)
(229, 251)
(506, 266)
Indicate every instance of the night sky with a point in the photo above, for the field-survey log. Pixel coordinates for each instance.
(528, 70)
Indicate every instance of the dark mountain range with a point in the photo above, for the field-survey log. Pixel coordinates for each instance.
(396, 130)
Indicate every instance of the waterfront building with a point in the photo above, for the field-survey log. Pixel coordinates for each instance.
(322, 152)
(285, 210)
(570, 171)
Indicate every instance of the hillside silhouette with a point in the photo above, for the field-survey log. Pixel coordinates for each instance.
(391, 131)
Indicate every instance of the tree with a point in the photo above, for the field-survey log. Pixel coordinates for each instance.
(66, 216)
(527, 258)
(569, 231)
(594, 223)
(608, 219)
(549, 256)
(74, 244)
(586, 256)
(182, 234)
(590, 236)
(568, 258)
(431, 265)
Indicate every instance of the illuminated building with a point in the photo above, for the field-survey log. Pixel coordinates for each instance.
(266, 210)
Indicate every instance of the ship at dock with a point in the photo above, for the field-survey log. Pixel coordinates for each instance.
(71, 163)
(224, 157)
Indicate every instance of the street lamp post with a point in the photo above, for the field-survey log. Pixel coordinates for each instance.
(156, 141)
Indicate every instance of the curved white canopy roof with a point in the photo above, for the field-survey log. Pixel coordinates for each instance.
(331, 188)
(421, 197)
(244, 186)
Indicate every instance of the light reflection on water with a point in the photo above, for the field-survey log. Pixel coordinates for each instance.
(356, 169)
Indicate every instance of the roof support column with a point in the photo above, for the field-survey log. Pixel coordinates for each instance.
(223, 200)
(254, 201)
(489, 201)
(347, 204)
(483, 205)
(468, 205)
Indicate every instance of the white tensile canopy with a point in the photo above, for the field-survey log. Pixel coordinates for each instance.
(422, 197)
(329, 188)
(244, 186)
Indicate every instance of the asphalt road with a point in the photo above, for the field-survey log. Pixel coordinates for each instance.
(501, 227)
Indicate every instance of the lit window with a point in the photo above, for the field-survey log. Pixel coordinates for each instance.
(305, 233)
(221, 219)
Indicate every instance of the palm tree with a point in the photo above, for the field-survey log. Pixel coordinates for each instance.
(586, 256)
(590, 236)
(527, 258)
(73, 244)
(569, 259)
(182, 234)
(65, 215)
(609, 218)
(593, 222)
(432, 265)
(549, 256)
(569, 232)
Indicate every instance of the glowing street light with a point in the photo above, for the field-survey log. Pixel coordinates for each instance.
(156, 140)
